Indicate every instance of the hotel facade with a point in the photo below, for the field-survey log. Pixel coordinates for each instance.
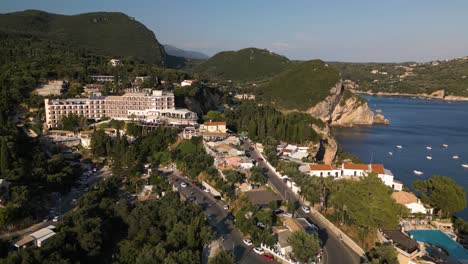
(153, 106)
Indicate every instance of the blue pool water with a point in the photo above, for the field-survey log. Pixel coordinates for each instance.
(440, 239)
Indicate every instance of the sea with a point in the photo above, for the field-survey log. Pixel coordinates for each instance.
(415, 125)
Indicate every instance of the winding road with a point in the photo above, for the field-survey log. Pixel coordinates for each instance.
(336, 252)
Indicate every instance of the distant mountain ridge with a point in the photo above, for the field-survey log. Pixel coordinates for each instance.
(113, 34)
(187, 54)
(243, 65)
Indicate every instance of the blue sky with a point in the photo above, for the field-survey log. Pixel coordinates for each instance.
(347, 30)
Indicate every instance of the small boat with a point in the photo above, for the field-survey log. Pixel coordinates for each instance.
(390, 153)
(445, 145)
(455, 157)
(399, 146)
(428, 157)
(465, 165)
(428, 148)
(418, 172)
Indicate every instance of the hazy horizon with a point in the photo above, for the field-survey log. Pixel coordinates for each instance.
(345, 31)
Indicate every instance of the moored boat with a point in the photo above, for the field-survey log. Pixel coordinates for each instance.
(428, 157)
(428, 148)
(445, 145)
(418, 172)
(399, 146)
(455, 157)
(465, 165)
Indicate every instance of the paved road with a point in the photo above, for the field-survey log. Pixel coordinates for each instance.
(217, 218)
(62, 204)
(335, 251)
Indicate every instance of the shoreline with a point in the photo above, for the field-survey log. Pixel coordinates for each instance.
(449, 98)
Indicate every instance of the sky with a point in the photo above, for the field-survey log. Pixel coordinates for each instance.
(332, 30)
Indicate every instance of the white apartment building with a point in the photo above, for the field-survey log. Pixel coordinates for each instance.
(102, 78)
(154, 107)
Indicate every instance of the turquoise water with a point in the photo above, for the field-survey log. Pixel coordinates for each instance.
(440, 239)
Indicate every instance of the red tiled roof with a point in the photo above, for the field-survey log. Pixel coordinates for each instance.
(378, 168)
(352, 166)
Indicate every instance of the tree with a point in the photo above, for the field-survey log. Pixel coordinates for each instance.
(442, 192)
(222, 257)
(99, 143)
(305, 246)
(381, 254)
(214, 116)
(72, 122)
(4, 165)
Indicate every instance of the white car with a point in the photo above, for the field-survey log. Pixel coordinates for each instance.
(206, 190)
(259, 250)
(247, 241)
(306, 209)
(287, 215)
(56, 218)
(183, 185)
(226, 207)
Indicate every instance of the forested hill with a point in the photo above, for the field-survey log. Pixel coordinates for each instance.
(301, 86)
(243, 65)
(112, 34)
(409, 78)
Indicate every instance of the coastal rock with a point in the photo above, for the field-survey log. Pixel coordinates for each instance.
(343, 108)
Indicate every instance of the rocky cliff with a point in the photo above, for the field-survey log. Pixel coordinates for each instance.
(198, 99)
(328, 148)
(343, 108)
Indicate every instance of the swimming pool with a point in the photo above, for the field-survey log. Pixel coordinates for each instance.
(440, 239)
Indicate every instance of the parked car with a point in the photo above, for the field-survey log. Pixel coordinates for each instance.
(306, 209)
(56, 218)
(183, 185)
(192, 198)
(278, 211)
(258, 250)
(206, 190)
(247, 241)
(287, 215)
(226, 207)
(268, 258)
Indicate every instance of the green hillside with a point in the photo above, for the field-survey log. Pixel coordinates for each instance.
(243, 65)
(412, 78)
(301, 86)
(113, 34)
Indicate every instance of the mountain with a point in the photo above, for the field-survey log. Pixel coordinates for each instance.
(447, 79)
(301, 85)
(187, 54)
(112, 34)
(243, 65)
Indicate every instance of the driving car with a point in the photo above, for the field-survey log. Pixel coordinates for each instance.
(268, 257)
(258, 250)
(183, 185)
(306, 209)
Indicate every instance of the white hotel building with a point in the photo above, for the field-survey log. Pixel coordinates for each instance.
(350, 170)
(151, 106)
